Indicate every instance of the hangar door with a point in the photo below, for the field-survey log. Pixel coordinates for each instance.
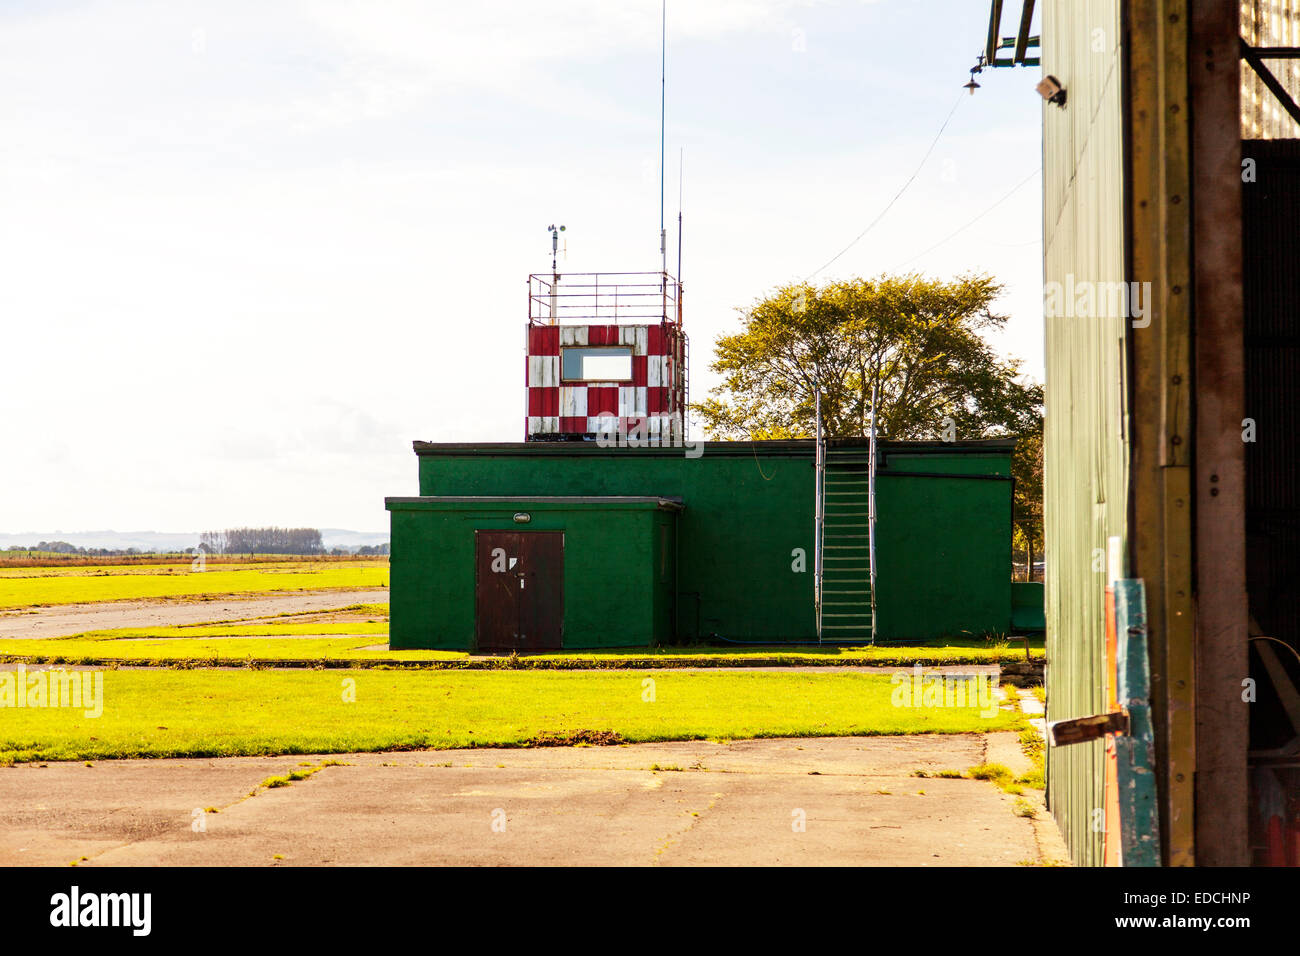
(519, 603)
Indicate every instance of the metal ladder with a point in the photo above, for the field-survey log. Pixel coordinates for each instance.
(686, 385)
(845, 559)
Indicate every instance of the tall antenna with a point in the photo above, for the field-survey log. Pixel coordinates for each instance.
(663, 102)
(681, 163)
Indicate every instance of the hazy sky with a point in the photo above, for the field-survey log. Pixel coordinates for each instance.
(251, 250)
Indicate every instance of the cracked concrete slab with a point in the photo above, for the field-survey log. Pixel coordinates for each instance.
(825, 801)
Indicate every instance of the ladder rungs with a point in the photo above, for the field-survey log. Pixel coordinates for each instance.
(846, 609)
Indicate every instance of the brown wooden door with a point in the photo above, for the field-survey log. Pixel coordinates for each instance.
(520, 581)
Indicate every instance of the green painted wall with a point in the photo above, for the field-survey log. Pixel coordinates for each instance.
(741, 519)
(943, 545)
(943, 551)
(1027, 606)
(612, 569)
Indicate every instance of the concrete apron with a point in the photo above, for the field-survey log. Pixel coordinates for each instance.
(823, 801)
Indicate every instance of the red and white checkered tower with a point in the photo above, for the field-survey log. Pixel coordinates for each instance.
(606, 355)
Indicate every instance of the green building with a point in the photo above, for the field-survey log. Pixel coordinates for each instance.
(548, 544)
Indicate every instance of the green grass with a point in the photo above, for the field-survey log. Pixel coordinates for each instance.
(996, 773)
(210, 651)
(1001, 776)
(209, 713)
(263, 629)
(1034, 747)
(233, 644)
(31, 587)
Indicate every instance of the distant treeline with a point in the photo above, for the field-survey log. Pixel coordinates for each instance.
(263, 541)
(63, 547)
(237, 541)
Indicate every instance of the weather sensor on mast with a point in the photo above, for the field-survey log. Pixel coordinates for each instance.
(555, 271)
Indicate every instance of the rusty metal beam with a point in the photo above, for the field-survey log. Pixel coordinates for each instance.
(1222, 719)
(1022, 35)
(995, 30)
(1159, 235)
(1145, 520)
(1176, 429)
(1252, 56)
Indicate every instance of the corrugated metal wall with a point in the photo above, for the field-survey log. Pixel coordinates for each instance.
(1086, 442)
(1269, 23)
(1271, 210)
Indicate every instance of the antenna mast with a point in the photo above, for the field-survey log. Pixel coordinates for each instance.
(555, 272)
(681, 164)
(663, 101)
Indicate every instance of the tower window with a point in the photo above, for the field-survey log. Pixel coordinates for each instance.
(608, 364)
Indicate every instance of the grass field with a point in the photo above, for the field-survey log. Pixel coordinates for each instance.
(35, 587)
(357, 634)
(228, 645)
(275, 684)
(163, 713)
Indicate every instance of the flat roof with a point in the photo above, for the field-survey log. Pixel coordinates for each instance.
(790, 448)
(667, 502)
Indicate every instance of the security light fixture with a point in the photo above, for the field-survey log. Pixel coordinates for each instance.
(977, 68)
(1051, 90)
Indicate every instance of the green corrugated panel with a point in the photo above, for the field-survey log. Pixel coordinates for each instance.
(1085, 438)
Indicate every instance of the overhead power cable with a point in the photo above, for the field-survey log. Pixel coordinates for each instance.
(871, 225)
(953, 235)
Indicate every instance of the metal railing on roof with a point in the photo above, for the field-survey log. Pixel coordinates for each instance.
(608, 298)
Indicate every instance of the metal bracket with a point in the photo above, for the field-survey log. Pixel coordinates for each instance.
(1255, 56)
(1080, 730)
